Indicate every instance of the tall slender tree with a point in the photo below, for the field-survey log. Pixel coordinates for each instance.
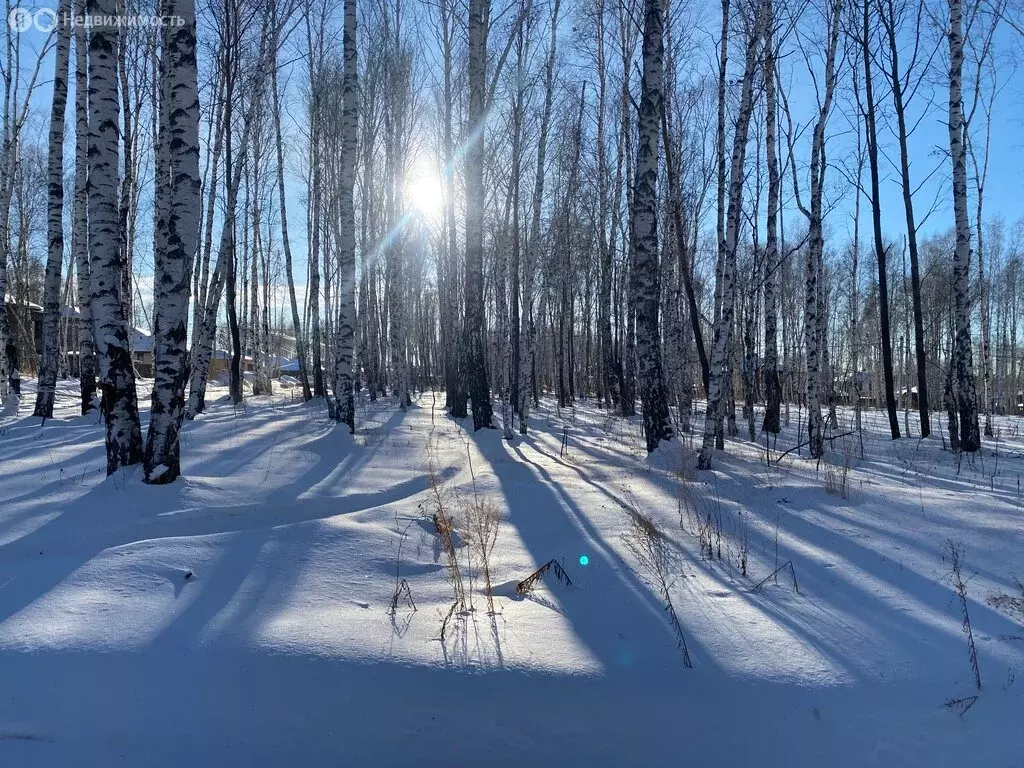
(178, 187)
(881, 253)
(54, 223)
(719, 363)
(656, 418)
(345, 342)
(966, 395)
(80, 219)
(534, 244)
(903, 84)
(473, 329)
(117, 377)
(286, 247)
(814, 309)
(772, 382)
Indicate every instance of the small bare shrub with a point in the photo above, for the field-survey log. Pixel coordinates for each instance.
(718, 532)
(778, 515)
(744, 537)
(837, 476)
(650, 549)
(835, 481)
(402, 590)
(687, 470)
(483, 519)
(688, 507)
(956, 558)
(444, 529)
(709, 535)
(403, 593)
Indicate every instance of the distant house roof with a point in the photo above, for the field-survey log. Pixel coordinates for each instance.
(224, 354)
(143, 341)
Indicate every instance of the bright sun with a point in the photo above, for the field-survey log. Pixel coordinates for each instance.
(424, 192)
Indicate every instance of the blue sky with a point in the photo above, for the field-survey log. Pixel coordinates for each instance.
(1003, 190)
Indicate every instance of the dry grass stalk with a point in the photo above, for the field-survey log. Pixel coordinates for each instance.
(483, 519)
(956, 557)
(444, 528)
(1011, 604)
(960, 706)
(651, 550)
(774, 574)
(530, 582)
(402, 590)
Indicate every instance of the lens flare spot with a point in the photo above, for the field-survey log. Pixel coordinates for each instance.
(584, 560)
(424, 191)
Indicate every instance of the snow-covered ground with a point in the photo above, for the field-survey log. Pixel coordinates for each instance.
(241, 615)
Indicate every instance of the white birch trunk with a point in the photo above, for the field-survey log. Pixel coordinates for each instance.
(117, 379)
(501, 301)
(719, 364)
(80, 215)
(533, 247)
(813, 304)
(656, 418)
(345, 335)
(966, 396)
(211, 182)
(300, 345)
(773, 386)
(178, 206)
(54, 223)
(476, 74)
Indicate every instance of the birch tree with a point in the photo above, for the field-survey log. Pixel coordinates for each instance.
(286, 247)
(345, 340)
(476, 74)
(511, 266)
(656, 418)
(719, 365)
(202, 351)
(55, 222)
(117, 378)
(534, 244)
(772, 383)
(177, 238)
(17, 102)
(966, 395)
(80, 220)
(814, 309)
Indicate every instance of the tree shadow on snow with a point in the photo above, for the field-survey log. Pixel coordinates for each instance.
(613, 613)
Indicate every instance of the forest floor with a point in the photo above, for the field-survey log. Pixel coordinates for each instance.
(242, 615)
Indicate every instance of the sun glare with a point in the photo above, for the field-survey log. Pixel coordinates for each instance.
(425, 193)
